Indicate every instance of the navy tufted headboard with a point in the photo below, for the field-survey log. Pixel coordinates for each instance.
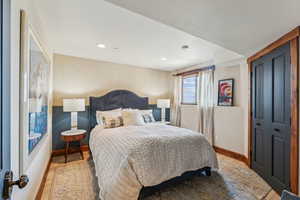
(113, 100)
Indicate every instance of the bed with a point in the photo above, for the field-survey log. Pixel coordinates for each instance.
(134, 161)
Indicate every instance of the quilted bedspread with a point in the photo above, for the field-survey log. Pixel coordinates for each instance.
(128, 158)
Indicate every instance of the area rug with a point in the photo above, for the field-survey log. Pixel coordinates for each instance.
(233, 181)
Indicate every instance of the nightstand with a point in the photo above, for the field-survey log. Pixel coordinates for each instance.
(73, 136)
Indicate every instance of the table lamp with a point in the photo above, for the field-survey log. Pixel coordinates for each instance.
(73, 106)
(163, 104)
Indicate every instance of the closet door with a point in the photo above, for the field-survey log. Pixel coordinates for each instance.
(260, 122)
(271, 117)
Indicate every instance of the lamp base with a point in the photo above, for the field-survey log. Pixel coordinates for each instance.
(163, 114)
(74, 121)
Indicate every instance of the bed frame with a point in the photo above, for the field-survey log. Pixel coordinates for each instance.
(114, 100)
(126, 99)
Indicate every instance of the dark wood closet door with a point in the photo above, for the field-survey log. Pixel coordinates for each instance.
(271, 117)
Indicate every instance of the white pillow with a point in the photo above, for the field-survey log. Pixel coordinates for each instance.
(107, 114)
(147, 116)
(132, 117)
(145, 111)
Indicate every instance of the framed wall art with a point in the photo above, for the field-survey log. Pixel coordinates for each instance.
(225, 92)
(34, 93)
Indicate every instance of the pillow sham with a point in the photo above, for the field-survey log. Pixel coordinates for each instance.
(147, 116)
(110, 114)
(112, 122)
(132, 117)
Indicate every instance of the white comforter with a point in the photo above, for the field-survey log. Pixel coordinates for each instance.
(128, 158)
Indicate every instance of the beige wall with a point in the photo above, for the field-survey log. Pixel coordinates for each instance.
(77, 77)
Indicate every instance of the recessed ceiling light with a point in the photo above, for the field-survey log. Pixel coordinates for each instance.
(184, 47)
(101, 46)
(163, 59)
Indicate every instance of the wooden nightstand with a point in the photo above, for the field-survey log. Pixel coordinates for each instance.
(72, 136)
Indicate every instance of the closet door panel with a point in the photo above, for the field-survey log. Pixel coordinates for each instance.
(278, 167)
(281, 112)
(259, 129)
(278, 96)
(271, 92)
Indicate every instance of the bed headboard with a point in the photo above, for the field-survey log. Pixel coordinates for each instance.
(113, 100)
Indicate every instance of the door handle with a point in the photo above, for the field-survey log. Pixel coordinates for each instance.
(9, 183)
(258, 124)
(277, 129)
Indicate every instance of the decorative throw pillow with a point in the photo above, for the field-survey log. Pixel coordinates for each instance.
(110, 114)
(147, 116)
(112, 122)
(132, 117)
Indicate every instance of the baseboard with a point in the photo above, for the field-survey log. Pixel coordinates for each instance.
(42, 185)
(60, 152)
(232, 154)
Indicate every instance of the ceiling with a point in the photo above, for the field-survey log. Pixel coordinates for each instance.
(75, 28)
(239, 25)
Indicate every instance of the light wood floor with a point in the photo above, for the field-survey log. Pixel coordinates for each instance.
(72, 165)
(272, 196)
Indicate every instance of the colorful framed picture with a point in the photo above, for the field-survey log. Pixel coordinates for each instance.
(225, 92)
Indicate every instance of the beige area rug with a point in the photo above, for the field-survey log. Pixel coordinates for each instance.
(76, 181)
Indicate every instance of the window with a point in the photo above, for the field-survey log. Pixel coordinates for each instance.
(189, 89)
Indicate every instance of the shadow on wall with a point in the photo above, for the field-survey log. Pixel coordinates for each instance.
(61, 121)
(59, 95)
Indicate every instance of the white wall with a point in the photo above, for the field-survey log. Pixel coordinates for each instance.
(38, 165)
(228, 130)
(244, 86)
(189, 117)
(230, 122)
(228, 72)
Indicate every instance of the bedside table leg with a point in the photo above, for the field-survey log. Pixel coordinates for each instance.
(66, 151)
(81, 152)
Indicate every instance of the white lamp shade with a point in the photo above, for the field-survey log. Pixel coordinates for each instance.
(73, 105)
(163, 103)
